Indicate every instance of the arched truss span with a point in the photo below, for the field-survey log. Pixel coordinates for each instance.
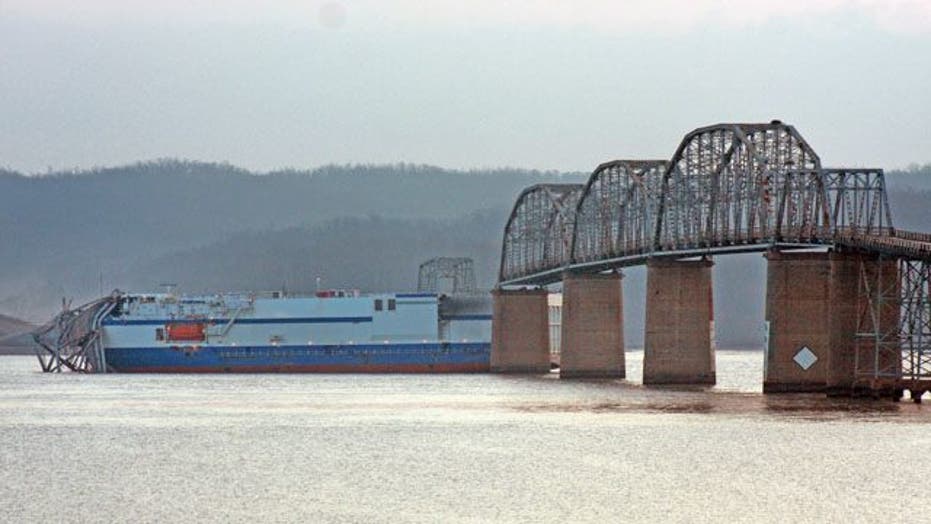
(721, 186)
(538, 234)
(729, 188)
(616, 210)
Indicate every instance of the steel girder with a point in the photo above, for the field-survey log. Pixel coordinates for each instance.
(616, 212)
(538, 234)
(857, 201)
(720, 187)
(877, 344)
(893, 333)
(915, 320)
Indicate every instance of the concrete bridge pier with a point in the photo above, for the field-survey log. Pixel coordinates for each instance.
(520, 332)
(592, 327)
(679, 342)
(854, 335)
(798, 334)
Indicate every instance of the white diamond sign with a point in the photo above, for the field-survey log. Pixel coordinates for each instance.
(805, 358)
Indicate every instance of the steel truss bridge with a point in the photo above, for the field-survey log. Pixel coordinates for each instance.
(732, 188)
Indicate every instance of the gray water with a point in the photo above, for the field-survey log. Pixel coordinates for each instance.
(448, 448)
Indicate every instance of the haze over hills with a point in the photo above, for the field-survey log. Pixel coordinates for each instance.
(65, 230)
(14, 335)
(11, 326)
(213, 227)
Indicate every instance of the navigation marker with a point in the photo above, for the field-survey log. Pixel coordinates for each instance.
(805, 358)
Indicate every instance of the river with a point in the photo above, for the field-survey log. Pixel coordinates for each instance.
(448, 448)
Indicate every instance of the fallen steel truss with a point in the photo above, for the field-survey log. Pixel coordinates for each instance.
(72, 340)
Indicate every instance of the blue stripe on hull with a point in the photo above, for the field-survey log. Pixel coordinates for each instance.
(110, 321)
(450, 356)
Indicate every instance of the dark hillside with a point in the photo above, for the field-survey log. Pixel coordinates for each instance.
(11, 326)
(14, 336)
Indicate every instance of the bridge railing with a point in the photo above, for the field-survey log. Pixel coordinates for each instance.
(911, 235)
(887, 244)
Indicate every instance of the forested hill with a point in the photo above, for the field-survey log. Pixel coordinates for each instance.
(61, 231)
(211, 227)
(146, 209)
(914, 177)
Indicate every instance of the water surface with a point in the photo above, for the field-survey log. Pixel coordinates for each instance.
(446, 448)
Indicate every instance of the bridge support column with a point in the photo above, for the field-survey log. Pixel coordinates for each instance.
(592, 327)
(679, 342)
(798, 335)
(520, 332)
(864, 325)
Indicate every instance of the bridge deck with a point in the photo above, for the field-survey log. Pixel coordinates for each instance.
(901, 244)
(909, 245)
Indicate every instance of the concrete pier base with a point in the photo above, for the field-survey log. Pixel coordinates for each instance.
(592, 327)
(798, 306)
(520, 333)
(679, 343)
(853, 355)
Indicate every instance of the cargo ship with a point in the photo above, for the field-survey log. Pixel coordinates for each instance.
(335, 331)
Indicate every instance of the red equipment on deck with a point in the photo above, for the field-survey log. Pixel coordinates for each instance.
(186, 332)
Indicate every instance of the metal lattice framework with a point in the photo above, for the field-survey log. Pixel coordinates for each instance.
(802, 212)
(739, 188)
(72, 340)
(617, 209)
(460, 270)
(915, 321)
(538, 234)
(728, 188)
(877, 344)
(720, 187)
(857, 201)
(893, 333)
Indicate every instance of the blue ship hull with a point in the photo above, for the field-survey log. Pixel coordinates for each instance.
(448, 357)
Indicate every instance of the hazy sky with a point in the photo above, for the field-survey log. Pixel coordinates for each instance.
(479, 83)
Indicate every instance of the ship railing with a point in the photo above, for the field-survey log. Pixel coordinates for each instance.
(229, 324)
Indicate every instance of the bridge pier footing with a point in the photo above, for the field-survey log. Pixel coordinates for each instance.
(592, 327)
(520, 332)
(798, 307)
(679, 342)
(865, 352)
